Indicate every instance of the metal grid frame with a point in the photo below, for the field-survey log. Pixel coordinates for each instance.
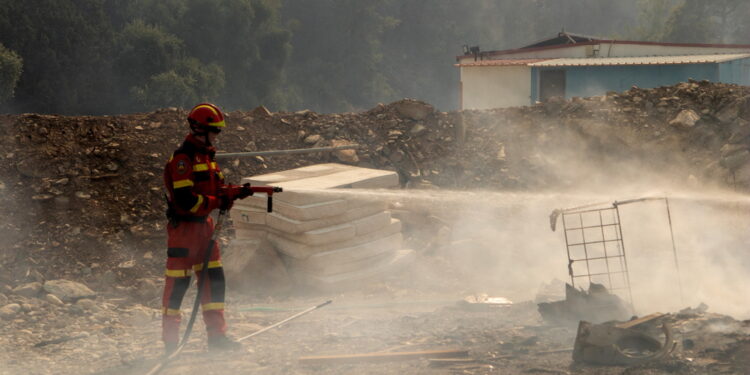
(611, 252)
(615, 239)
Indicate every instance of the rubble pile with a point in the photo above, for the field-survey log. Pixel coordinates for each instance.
(85, 204)
(86, 192)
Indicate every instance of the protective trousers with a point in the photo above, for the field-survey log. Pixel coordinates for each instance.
(187, 246)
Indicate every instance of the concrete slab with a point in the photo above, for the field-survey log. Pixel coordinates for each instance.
(325, 235)
(371, 223)
(249, 231)
(352, 202)
(349, 258)
(310, 211)
(286, 225)
(396, 261)
(297, 249)
(247, 214)
(320, 177)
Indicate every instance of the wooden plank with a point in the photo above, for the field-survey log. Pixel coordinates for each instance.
(641, 320)
(382, 357)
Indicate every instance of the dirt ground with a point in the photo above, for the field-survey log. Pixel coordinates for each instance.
(120, 337)
(85, 203)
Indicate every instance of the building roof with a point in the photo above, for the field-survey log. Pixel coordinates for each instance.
(501, 62)
(568, 40)
(562, 38)
(640, 60)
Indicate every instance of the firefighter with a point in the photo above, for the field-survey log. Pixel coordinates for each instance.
(196, 187)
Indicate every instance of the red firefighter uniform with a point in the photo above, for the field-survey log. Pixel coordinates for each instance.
(194, 182)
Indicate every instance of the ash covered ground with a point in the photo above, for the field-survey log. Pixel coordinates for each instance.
(85, 203)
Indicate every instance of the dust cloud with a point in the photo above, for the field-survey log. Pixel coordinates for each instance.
(501, 243)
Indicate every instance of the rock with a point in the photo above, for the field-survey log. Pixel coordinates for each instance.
(686, 118)
(417, 129)
(500, 154)
(139, 316)
(729, 112)
(261, 112)
(28, 290)
(412, 109)
(312, 139)
(87, 304)
(347, 156)
(82, 195)
(68, 291)
(397, 156)
(3, 299)
(729, 149)
(740, 131)
(108, 278)
(112, 167)
(51, 298)
(735, 160)
(9, 311)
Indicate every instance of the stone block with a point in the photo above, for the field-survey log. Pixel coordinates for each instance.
(247, 214)
(249, 231)
(299, 249)
(287, 225)
(327, 235)
(326, 176)
(296, 212)
(372, 223)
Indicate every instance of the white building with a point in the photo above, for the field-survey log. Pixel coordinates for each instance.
(571, 65)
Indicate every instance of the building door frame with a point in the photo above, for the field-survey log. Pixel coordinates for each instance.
(552, 82)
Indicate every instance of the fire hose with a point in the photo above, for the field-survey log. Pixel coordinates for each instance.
(268, 190)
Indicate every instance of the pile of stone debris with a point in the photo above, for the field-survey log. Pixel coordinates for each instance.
(86, 195)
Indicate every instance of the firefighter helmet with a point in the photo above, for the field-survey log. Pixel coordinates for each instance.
(206, 117)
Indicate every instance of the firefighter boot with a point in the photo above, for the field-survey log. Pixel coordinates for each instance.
(222, 343)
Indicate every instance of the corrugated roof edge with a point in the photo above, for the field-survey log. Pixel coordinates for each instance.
(503, 62)
(642, 60)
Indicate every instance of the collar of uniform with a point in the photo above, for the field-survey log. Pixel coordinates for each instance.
(200, 146)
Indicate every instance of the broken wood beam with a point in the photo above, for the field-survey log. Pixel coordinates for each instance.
(641, 320)
(382, 356)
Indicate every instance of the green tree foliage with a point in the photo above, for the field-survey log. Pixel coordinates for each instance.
(66, 49)
(692, 22)
(188, 83)
(107, 56)
(10, 71)
(245, 39)
(650, 24)
(338, 55)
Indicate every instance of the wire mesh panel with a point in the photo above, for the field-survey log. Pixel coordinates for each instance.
(596, 253)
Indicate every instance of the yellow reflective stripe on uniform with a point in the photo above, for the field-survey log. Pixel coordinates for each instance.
(166, 311)
(213, 165)
(211, 264)
(177, 273)
(197, 205)
(200, 167)
(213, 306)
(221, 175)
(182, 183)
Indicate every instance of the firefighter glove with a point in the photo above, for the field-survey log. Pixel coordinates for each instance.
(245, 191)
(226, 202)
